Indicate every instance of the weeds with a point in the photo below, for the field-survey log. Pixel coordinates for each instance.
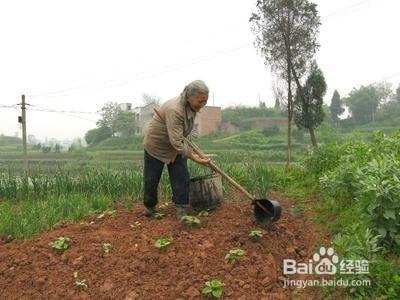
(61, 243)
(234, 254)
(162, 243)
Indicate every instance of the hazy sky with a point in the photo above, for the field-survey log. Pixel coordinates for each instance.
(76, 55)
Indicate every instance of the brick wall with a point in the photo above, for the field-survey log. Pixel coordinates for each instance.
(208, 120)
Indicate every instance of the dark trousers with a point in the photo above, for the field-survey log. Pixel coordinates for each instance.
(178, 177)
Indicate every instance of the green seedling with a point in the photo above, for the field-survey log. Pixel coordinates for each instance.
(233, 255)
(162, 243)
(80, 283)
(255, 234)
(159, 215)
(213, 288)
(60, 243)
(107, 247)
(135, 225)
(190, 220)
(107, 212)
(203, 213)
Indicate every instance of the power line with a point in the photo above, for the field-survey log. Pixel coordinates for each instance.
(162, 70)
(65, 111)
(159, 71)
(9, 106)
(58, 112)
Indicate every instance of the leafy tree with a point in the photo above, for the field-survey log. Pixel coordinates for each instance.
(125, 123)
(363, 103)
(384, 90)
(109, 113)
(336, 107)
(308, 111)
(389, 111)
(95, 136)
(286, 35)
(147, 99)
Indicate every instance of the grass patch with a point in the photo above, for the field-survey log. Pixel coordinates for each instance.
(27, 218)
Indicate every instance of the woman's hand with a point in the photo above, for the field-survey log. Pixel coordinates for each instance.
(200, 160)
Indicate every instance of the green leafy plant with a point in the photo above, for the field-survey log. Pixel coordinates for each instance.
(378, 190)
(61, 243)
(233, 255)
(80, 283)
(135, 225)
(162, 243)
(107, 247)
(203, 213)
(190, 220)
(159, 215)
(213, 288)
(255, 234)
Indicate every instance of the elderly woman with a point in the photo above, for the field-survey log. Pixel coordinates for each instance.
(164, 144)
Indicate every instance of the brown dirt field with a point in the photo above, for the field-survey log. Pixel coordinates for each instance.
(136, 269)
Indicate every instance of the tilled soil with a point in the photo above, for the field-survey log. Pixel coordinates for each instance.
(136, 269)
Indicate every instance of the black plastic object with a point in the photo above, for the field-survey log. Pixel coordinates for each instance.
(205, 192)
(266, 211)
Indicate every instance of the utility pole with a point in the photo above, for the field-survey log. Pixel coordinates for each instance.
(22, 120)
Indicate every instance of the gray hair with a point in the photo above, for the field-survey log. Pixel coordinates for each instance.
(194, 88)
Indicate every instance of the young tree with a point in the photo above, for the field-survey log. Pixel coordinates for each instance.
(286, 35)
(308, 111)
(109, 113)
(336, 107)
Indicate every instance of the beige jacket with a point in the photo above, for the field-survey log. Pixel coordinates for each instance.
(163, 138)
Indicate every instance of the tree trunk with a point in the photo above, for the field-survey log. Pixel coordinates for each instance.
(313, 139)
(290, 112)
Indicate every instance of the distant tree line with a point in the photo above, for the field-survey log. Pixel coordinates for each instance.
(366, 104)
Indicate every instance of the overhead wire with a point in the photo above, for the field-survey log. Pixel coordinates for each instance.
(105, 84)
(136, 77)
(59, 112)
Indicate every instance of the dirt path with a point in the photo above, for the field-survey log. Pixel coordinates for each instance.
(136, 269)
